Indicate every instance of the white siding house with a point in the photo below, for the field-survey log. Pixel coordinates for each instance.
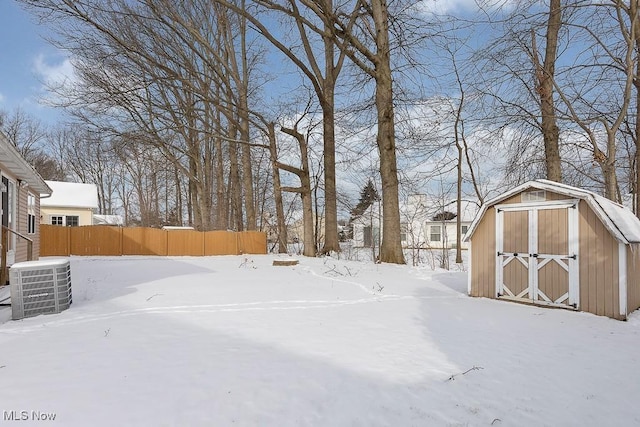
(425, 223)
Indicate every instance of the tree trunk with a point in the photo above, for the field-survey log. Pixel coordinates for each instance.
(636, 137)
(459, 207)
(391, 247)
(327, 101)
(235, 189)
(331, 238)
(636, 184)
(222, 201)
(545, 74)
(282, 226)
(609, 170)
(247, 171)
(309, 241)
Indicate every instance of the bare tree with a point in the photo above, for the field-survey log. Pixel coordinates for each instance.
(545, 74)
(362, 33)
(179, 81)
(32, 139)
(304, 189)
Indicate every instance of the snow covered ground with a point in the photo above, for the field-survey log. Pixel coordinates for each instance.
(220, 341)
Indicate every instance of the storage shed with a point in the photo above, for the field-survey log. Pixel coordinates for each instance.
(552, 244)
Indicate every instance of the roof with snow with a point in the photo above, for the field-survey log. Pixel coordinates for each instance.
(618, 220)
(71, 195)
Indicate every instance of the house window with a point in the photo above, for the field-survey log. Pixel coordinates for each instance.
(403, 231)
(31, 213)
(56, 220)
(72, 221)
(435, 233)
(463, 229)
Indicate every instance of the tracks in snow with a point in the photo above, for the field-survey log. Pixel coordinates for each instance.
(77, 317)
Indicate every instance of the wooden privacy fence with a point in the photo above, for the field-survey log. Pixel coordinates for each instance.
(56, 240)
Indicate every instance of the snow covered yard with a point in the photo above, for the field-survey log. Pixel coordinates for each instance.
(221, 341)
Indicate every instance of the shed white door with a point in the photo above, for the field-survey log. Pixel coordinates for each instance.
(537, 249)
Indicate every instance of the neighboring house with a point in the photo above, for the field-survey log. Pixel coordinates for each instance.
(425, 223)
(366, 227)
(432, 223)
(21, 189)
(71, 204)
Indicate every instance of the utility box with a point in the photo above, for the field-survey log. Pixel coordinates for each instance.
(40, 287)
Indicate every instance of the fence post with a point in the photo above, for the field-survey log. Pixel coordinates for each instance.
(68, 231)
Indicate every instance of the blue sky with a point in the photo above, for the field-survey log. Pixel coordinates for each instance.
(26, 61)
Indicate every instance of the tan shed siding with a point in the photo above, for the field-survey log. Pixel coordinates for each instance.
(512, 200)
(633, 278)
(555, 196)
(517, 198)
(483, 256)
(598, 260)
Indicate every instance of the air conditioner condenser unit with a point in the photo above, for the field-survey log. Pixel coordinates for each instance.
(40, 287)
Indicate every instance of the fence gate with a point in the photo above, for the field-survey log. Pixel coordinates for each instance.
(537, 252)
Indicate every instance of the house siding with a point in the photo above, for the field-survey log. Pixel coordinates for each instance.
(450, 229)
(85, 215)
(36, 236)
(21, 224)
(20, 219)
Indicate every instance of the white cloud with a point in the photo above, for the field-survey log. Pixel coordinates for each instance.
(457, 6)
(1, 98)
(54, 73)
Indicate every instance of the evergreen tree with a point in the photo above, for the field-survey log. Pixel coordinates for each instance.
(368, 195)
